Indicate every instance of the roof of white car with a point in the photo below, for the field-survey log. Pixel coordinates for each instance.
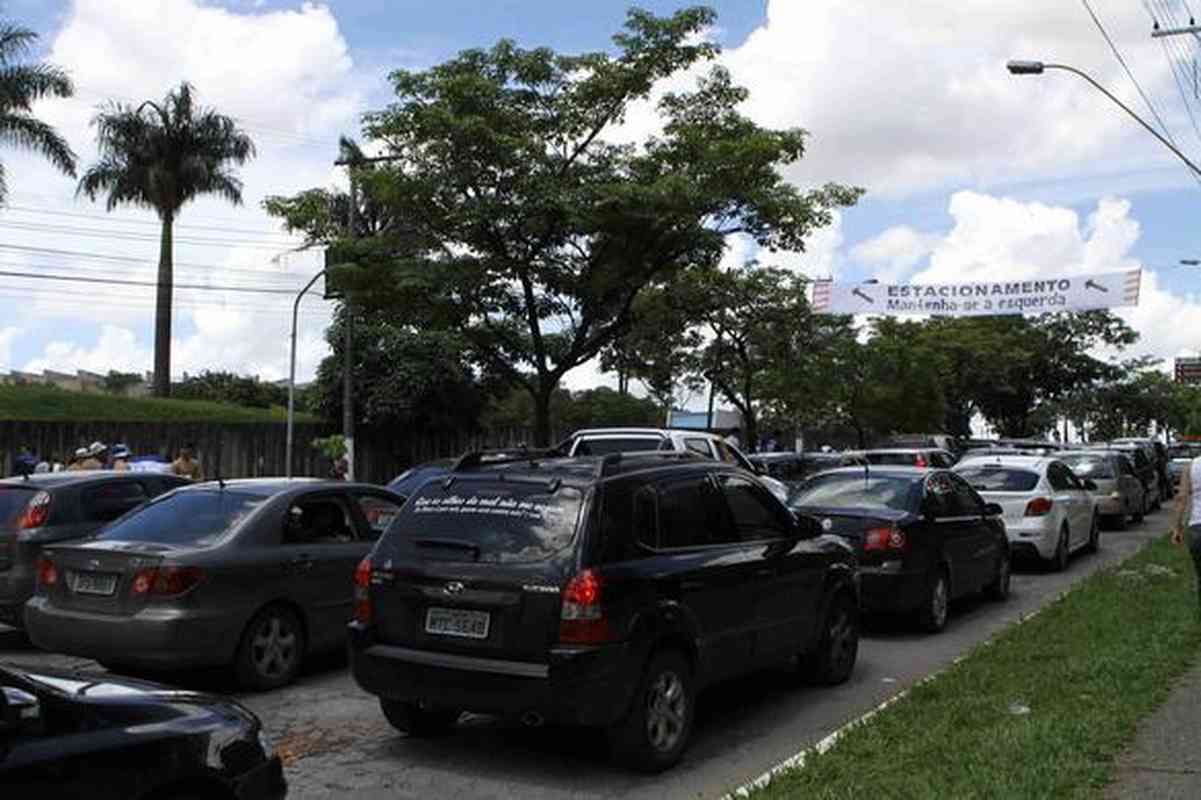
(660, 432)
(1027, 462)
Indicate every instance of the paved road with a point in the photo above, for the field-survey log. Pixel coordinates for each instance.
(337, 743)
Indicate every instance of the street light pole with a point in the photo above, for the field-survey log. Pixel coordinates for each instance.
(292, 369)
(1038, 67)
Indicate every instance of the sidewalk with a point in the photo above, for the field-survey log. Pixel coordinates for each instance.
(1164, 762)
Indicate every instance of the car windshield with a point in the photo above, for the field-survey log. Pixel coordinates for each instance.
(996, 478)
(1089, 466)
(13, 500)
(857, 489)
(624, 444)
(506, 522)
(197, 518)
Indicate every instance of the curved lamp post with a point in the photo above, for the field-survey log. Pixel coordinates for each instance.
(292, 368)
(1038, 67)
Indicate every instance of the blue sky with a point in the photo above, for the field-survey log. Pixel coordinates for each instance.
(969, 171)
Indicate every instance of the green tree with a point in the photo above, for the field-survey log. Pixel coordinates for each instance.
(162, 156)
(531, 231)
(21, 85)
(656, 347)
(229, 387)
(120, 382)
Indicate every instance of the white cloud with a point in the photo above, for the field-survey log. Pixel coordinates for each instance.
(894, 252)
(7, 336)
(116, 349)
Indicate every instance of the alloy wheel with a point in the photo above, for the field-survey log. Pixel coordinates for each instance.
(939, 602)
(667, 711)
(844, 641)
(274, 647)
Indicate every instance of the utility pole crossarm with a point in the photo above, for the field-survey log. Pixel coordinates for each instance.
(1185, 31)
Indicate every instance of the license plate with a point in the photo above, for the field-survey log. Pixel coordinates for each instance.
(457, 622)
(94, 583)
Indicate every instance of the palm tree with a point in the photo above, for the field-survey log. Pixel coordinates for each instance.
(161, 156)
(21, 85)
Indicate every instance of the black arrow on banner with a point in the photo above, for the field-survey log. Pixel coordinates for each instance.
(863, 295)
(1090, 284)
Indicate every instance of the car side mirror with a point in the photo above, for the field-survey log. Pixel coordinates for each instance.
(19, 711)
(993, 510)
(1090, 484)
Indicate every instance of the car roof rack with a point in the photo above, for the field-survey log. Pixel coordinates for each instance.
(474, 459)
(612, 463)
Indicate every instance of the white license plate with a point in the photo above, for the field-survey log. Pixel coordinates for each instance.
(457, 622)
(94, 583)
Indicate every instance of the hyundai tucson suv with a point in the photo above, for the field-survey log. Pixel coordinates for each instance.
(598, 591)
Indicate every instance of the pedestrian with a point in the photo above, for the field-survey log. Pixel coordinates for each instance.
(186, 464)
(120, 456)
(339, 469)
(25, 462)
(77, 460)
(1188, 513)
(94, 457)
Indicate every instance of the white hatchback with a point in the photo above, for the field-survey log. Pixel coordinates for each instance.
(1049, 511)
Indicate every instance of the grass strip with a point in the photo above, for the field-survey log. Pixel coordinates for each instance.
(49, 404)
(1040, 711)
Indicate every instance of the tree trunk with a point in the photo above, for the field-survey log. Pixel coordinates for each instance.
(162, 311)
(542, 394)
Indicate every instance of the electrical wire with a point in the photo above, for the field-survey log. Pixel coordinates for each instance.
(121, 259)
(134, 236)
(124, 282)
(114, 218)
(1176, 53)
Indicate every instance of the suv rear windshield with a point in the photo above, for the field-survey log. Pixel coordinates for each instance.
(1088, 466)
(850, 490)
(995, 478)
(898, 459)
(198, 518)
(624, 444)
(503, 522)
(13, 500)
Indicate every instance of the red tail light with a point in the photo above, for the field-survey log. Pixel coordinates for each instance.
(888, 538)
(1039, 507)
(920, 461)
(166, 581)
(582, 620)
(47, 572)
(362, 592)
(36, 512)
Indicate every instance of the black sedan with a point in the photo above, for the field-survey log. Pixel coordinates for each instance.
(70, 735)
(923, 537)
(255, 574)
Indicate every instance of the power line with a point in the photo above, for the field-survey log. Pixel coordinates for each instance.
(120, 259)
(124, 282)
(133, 221)
(134, 236)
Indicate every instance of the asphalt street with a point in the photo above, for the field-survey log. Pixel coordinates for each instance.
(336, 742)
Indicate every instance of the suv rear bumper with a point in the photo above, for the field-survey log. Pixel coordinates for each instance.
(585, 685)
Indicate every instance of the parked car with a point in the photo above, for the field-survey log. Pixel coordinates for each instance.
(1146, 469)
(1049, 512)
(1180, 456)
(923, 537)
(795, 467)
(75, 735)
(600, 591)
(48, 508)
(927, 441)
(604, 441)
(1119, 493)
(250, 573)
(1041, 447)
(1157, 451)
(909, 457)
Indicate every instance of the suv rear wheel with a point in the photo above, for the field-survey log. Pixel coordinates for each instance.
(833, 659)
(416, 721)
(654, 733)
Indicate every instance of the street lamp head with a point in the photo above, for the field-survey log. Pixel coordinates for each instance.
(1025, 67)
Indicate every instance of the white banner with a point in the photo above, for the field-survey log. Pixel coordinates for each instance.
(980, 298)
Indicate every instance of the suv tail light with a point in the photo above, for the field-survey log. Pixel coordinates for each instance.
(166, 581)
(582, 620)
(47, 572)
(1039, 507)
(887, 538)
(920, 461)
(362, 592)
(36, 512)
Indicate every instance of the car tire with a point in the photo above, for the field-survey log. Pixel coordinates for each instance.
(936, 607)
(1094, 537)
(271, 649)
(1138, 517)
(998, 589)
(414, 720)
(655, 731)
(1059, 561)
(832, 660)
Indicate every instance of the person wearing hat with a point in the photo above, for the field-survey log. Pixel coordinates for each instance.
(120, 458)
(77, 460)
(95, 457)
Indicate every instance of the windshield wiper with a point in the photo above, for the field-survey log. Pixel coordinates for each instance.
(455, 544)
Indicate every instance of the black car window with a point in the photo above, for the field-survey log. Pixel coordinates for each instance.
(755, 514)
(941, 460)
(379, 512)
(688, 517)
(1087, 466)
(197, 517)
(318, 520)
(996, 478)
(1059, 478)
(938, 498)
(965, 502)
(104, 502)
(727, 454)
(1126, 467)
(628, 444)
(493, 521)
(856, 490)
(627, 520)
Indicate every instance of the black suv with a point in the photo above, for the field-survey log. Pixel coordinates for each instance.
(595, 591)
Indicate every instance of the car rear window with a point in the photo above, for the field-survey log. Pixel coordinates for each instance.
(857, 490)
(899, 459)
(13, 500)
(996, 478)
(624, 444)
(1089, 466)
(506, 522)
(196, 518)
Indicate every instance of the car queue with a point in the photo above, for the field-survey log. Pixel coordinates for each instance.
(602, 583)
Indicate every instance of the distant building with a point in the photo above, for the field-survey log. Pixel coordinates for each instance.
(1188, 370)
(699, 420)
(80, 381)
